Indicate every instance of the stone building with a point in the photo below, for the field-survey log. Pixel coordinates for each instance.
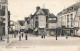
(52, 25)
(68, 20)
(4, 18)
(19, 25)
(40, 22)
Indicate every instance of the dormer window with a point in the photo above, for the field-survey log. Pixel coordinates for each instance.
(50, 18)
(36, 17)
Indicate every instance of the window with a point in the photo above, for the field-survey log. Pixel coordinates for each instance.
(36, 17)
(4, 0)
(71, 15)
(0, 6)
(75, 8)
(72, 8)
(71, 24)
(71, 31)
(50, 18)
(3, 7)
(54, 18)
(67, 25)
(67, 18)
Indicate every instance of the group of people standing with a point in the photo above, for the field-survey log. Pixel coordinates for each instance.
(22, 34)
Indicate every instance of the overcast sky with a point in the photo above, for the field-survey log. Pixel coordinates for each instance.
(23, 8)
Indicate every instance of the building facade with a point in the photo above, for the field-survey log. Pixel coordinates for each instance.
(52, 25)
(19, 25)
(40, 22)
(68, 20)
(4, 18)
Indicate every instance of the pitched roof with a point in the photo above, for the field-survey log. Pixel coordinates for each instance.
(40, 11)
(46, 11)
(51, 15)
(26, 18)
(76, 5)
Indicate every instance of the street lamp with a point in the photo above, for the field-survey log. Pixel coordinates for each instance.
(56, 33)
(56, 30)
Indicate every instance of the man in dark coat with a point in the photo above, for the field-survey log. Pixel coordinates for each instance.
(26, 32)
(43, 35)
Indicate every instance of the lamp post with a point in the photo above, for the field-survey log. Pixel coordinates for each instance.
(56, 30)
(8, 35)
(56, 34)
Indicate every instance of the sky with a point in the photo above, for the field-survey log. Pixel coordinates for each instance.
(20, 9)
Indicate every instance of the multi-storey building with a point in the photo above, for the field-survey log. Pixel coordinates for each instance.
(29, 23)
(52, 25)
(19, 25)
(4, 18)
(40, 21)
(68, 20)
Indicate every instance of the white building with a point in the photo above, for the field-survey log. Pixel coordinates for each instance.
(19, 25)
(69, 19)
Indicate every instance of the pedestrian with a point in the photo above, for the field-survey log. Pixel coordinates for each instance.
(19, 37)
(26, 32)
(67, 35)
(44, 35)
(26, 36)
(22, 35)
(15, 34)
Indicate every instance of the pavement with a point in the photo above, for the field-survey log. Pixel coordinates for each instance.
(38, 41)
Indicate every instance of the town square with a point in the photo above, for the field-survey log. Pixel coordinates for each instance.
(25, 23)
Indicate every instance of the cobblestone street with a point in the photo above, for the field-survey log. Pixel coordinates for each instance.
(38, 41)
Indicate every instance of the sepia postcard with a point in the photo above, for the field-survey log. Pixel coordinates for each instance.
(39, 25)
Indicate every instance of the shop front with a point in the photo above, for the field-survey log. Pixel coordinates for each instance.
(63, 31)
(51, 32)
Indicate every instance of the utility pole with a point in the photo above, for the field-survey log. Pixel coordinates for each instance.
(56, 34)
(6, 23)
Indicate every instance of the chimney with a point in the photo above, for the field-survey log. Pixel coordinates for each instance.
(37, 8)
